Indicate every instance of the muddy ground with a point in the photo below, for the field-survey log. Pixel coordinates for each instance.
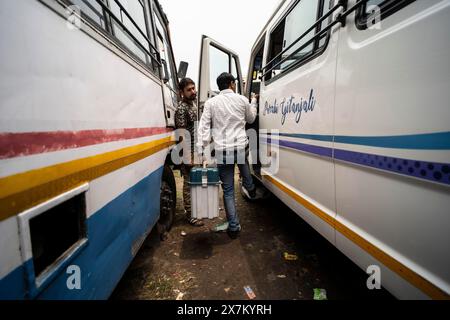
(207, 266)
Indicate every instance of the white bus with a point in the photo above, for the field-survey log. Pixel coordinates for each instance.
(359, 92)
(87, 100)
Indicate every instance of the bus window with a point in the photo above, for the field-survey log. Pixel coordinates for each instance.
(327, 5)
(289, 43)
(168, 71)
(255, 80)
(165, 53)
(276, 47)
(299, 20)
(215, 59)
(136, 11)
(134, 15)
(165, 59)
(219, 63)
(92, 10)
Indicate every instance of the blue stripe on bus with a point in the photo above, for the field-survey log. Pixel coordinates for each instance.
(431, 141)
(113, 230)
(426, 170)
(13, 286)
(315, 137)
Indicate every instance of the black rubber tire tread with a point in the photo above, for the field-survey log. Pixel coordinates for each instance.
(169, 179)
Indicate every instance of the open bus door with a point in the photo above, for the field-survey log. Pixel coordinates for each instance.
(253, 87)
(214, 60)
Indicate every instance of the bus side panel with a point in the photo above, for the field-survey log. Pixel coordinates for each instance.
(394, 192)
(55, 80)
(114, 231)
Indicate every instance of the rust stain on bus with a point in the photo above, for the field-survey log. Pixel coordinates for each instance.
(21, 144)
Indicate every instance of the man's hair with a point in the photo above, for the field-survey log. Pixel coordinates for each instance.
(184, 83)
(224, 81)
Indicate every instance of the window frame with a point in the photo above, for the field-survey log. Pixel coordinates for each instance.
(317, 51)
(231, 57)
(388, 8)
(107, 28)
(166, 37)
(143, 4)
(234, 61)
(151, 28)
(260, 46)
(148, 63)
(108, 32)
(38, 282)
(225, 53)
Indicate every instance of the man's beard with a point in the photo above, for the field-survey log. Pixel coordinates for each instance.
(192, 98)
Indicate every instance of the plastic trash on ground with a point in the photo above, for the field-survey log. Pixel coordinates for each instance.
(251, 295)
(223, 227)
(320, 294)
(290, 257)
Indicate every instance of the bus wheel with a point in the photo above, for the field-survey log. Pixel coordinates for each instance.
(168, 202)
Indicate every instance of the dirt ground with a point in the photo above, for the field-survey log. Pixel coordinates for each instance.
(208, 266)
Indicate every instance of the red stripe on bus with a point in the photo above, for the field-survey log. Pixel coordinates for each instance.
(14, 145)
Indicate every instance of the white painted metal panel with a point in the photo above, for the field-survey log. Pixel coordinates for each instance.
(10, 257)
(62, 79)
(109, 187)
(394, 82)
(56, 79)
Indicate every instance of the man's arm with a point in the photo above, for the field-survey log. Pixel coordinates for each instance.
(180, 117)
(204, 128)
(251, 110)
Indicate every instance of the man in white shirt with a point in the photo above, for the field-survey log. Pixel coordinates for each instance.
(224, 119)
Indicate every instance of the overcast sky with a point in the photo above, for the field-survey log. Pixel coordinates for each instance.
(234, 23)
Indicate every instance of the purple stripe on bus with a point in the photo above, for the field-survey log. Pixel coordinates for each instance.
(431, 171)
(320, 151)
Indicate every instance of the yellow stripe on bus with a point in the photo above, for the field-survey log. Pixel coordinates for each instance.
(26, 190)
(416, 280)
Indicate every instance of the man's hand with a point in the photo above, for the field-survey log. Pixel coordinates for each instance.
(201, 159)
(255, 96)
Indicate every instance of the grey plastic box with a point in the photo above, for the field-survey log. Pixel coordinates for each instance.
(204, 184)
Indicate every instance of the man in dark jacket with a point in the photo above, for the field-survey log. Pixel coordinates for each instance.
(185, 118)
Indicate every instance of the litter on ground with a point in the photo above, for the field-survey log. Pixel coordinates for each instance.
(251, 295)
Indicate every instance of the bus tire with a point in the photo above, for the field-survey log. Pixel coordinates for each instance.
(168, 202)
